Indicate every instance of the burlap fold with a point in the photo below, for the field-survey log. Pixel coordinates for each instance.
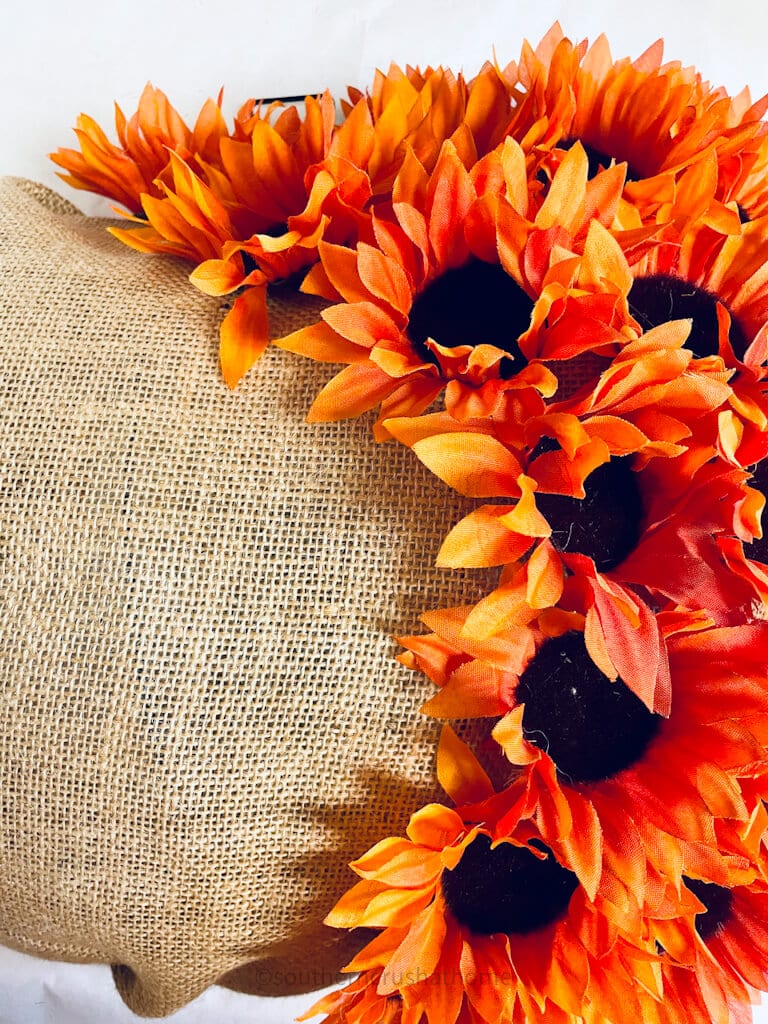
(201, 720)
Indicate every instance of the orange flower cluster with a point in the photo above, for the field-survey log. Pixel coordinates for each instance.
(550, 281)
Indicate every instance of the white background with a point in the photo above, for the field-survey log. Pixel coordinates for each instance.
(58, 59)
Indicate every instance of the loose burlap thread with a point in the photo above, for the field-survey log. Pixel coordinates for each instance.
(201, 720)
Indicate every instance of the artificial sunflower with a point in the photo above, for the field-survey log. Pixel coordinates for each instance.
(233, 220)
(580, 523)
(127, 171)
(671, 129)
(472, 289)
(719, 283)
(613, 787)
(730, 953)
(484, 931)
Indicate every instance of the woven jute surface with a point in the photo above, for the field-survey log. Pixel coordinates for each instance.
(201, 720)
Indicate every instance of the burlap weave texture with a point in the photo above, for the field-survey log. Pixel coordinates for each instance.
(201, 720)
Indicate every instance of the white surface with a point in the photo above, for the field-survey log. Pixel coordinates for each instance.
(58, 59)
(42, 992)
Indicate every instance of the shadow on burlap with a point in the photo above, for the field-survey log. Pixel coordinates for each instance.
(201, 720)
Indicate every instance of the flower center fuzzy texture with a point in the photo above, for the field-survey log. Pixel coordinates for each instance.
(476, 304)
(507, 890)
(591, 727)
(605, 523)
(718, 900)
(659, 298)
(758, 549)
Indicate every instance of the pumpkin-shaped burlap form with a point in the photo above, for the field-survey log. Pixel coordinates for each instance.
(201, 718)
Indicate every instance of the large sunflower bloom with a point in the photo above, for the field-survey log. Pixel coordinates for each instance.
(670, 128)
(614, 787)
(581, 523)
(478, 931)
(473, 290)
(127, 171)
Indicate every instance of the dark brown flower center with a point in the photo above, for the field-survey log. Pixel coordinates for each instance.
(507, 890)
(249, 263)
(591, 727)
(758, 549)
(659, 298)
(605, 523)
(476, 304)
(718, 900)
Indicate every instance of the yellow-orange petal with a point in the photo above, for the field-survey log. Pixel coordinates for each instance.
(582, 847)
(481, 539)
(545, 577)
(475, 690)
(353, 391)
(418, 954)
(244, 334)
(435, 826)
(399, 864)
(504, 608)
(217, 277)
(353, 904)
(459, 772)
(508, 733)
(322, 343)
(475, 465)
(363, 323)
(604, 261)
(524, 517)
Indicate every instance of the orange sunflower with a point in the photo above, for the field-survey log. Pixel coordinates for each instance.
(616, 790)
(478, 930)
(235, 222)
(127, 171)
(730, 954)
(416, 111)
(671, 129)
(579, 522)
(719, 283)
(472, 289)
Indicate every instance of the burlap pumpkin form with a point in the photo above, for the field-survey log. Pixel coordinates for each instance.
(201, 720)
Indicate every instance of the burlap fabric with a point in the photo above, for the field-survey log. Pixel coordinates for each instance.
(201, 720)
